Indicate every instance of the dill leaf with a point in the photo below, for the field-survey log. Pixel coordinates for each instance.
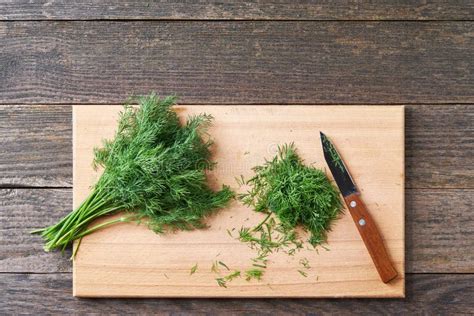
(253, 274)
(194, 269)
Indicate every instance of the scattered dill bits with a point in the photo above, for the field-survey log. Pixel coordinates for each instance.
(253, 274)
(224, 265)
(222, 281)
(295, 193)
(194, 269)
(215, 267)
(233, 275)
(154, 168)
(305, 263)
(333, 153)
(303, 273)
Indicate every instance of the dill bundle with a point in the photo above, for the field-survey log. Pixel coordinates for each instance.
(296, 194)
(154, 168)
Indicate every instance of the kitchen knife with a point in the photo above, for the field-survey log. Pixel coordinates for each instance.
(364, 222)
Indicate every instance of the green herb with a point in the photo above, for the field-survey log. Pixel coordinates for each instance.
(253, 274)
(222, 282)
(295, 193)
(215, 267)
(224, 265)
(194, 269)
(303, 273)
(334, 155)
(233, 275)
(305, 263)
(154, 168)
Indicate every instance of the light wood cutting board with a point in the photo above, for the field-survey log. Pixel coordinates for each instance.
(127, 260)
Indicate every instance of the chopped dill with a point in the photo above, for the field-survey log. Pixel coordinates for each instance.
(253, 274)
(303, 273)
(222, 281)
(305, 263)
(334, 155)
(289, 194)
(194, 269)
(215, 267)
(295, 193)
(223, 264)
(233, 275)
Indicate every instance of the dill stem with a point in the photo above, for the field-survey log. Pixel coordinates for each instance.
(76, 222)
(261, 224)
(72, 216)
(74, 252)
(72, 233)
(102, 225)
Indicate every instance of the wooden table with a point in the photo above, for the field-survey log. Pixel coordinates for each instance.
(54, 54)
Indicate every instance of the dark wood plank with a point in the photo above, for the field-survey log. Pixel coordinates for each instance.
(229, 10)
(51, 293)
(439, 230)
(237, 62)
(36, 146)
(439, 146)
(21, 211)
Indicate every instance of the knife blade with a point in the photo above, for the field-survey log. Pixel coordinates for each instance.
(360, 214)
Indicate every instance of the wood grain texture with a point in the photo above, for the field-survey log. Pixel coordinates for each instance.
(439, 146)
(371, 236)
(36, 143)
(51, 294)
(229, 10)
(237, 62)
(127, 260)
(36, 146)
(439, 230)
(21, 211)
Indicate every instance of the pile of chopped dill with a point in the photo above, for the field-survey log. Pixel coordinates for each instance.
(153, 169)
(296, 195)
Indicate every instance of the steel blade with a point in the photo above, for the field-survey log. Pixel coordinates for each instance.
(338, 168)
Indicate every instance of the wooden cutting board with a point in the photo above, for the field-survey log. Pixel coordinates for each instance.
(128, 260)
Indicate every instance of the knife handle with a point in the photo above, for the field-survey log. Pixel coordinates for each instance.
(371, 237)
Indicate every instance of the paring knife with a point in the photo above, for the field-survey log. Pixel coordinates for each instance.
(364, 222)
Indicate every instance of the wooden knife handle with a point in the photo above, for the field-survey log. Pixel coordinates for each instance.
(371, 237)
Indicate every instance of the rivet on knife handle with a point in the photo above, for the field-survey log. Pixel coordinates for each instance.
(371, 237)
(364, 222)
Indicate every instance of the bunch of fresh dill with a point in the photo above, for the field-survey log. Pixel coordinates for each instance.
(295, 193)
(154, 168)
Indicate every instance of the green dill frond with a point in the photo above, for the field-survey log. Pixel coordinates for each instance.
(154, 168)
(254, 274)
(295, 193)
